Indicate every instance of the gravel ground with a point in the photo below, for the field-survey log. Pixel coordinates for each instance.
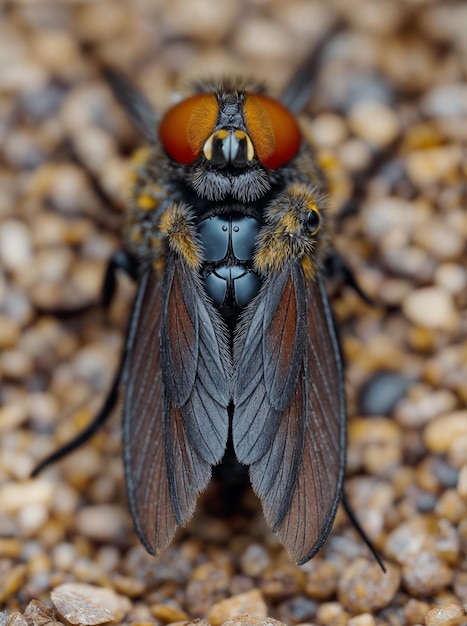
(388, 119)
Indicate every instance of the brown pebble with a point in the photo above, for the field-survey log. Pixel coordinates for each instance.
(374, 122)
(409, 539)
(10, 331)
(363, 586)
(84, 604)
(12, 415)
(415, 611)
(422, 404)
(328, 129)
(207, 585)
(364, 619)
(103, 522)
(443, 614)
(251, 602)
(254, 560)
(424, 167)
(168, 614)
(280, 582)
(332, 614)
(252, 620)
(127, 585)
(11, 580)
(321, 579)
(460, 583)
(15, 364)
(450, 507)
(38, 613)
(10, 547)
(14, 496)
(462, 483)
(426, 574)
(16, 619)
(378, 442)
(205, 20)
(444, 430)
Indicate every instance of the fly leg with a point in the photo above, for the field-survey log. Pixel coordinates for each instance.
(119, 261)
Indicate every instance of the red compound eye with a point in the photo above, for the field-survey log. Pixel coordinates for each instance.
(186, 126)
(273, 129)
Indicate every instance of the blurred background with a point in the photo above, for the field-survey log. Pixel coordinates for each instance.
(388, 120)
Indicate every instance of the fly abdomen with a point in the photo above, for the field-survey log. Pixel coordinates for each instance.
(229, 279)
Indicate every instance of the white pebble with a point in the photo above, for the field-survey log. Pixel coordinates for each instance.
(15, 245)
(431, 307)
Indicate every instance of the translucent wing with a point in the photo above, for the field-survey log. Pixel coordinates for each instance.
(176, 380)
(288, 397)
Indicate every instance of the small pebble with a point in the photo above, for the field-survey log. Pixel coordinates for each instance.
(127, 585)
(452, 277)
(415, 611)
(10, 547)
(250, 620)
(15, 496)
(278, 583)
(422, 404)
(382, 391)
(462, 483)
(364, 619)
(31, 518)
(15, 245)
(16, 619)
(331, 614)
(409, 539)
(431, 307)
(38, 613)
(88, 605)
(11, 581)
(15, 364)
(167, 613)
(204, 20)
(443, 614)
(450, 507)
(299, 609)
(446, 100)
(425, 167)
(426, 574)
(374, 122)
(254, 560)
(378, 441)
(9, 331)
(12, 415)
(328, 129)
(321, 579)
(364, 587)
(251, 602)
(443, 431)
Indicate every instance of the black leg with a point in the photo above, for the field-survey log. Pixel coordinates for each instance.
(336, 268)
(120, 260)
(88, 432)
(353, 518)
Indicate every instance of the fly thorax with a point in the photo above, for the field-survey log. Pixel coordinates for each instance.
(227, 273)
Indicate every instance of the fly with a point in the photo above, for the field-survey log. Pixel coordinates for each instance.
(231, 341)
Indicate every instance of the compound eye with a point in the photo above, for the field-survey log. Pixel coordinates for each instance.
(312, 222)
(186, 126)
(273, 129)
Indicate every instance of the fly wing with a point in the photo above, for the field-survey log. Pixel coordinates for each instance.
(298, 378)
(176, 380)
